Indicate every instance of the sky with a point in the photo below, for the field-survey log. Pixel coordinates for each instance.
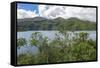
(30, 7)
(54, 11)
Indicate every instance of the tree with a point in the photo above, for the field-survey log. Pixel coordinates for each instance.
(21, 42)
(83, 52)
(36, 40)
(83, 36)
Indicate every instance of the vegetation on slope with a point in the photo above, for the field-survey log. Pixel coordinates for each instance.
(53, 24)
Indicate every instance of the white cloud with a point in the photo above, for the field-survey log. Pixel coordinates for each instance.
(50, 11)
(67, 12)
(53, 11)
(21, 13)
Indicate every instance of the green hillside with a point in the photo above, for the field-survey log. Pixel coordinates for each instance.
(39, 23)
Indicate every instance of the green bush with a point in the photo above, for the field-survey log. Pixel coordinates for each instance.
(60, 49)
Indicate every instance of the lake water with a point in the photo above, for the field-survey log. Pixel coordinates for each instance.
(49, 34)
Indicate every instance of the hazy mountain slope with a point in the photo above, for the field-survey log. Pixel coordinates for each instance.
(40, 23)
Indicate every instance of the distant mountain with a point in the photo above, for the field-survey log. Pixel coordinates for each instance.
(40, 23)
(32, 19)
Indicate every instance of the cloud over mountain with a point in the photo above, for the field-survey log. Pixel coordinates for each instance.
(53, 11)
(67, 12)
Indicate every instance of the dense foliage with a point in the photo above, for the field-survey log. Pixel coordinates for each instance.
(21, 42)
(79, 48)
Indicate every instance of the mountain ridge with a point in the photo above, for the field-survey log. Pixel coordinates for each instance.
(40, 23)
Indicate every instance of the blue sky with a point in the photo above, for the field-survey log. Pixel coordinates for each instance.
(31, 7)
